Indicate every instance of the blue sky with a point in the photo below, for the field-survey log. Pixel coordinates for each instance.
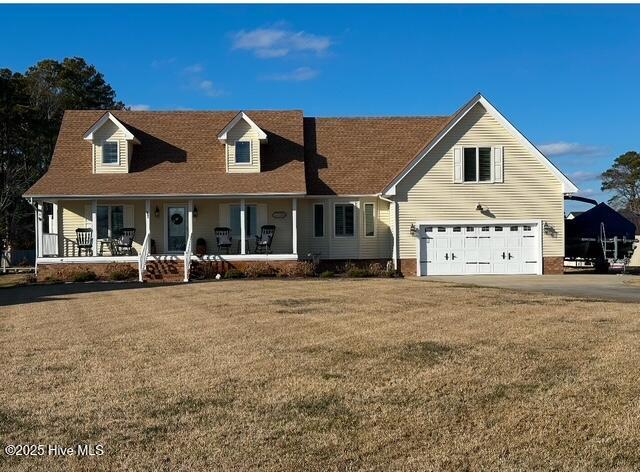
(565, 75)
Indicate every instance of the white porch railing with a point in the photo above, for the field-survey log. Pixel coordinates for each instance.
(187, 258)
(49, 244)
(142, 261)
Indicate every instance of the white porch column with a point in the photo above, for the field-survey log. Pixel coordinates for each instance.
(147, 217)
(54, 226)
(94, 225)
(39, 217)
(294, 224)
(243, 229)
(190, 217)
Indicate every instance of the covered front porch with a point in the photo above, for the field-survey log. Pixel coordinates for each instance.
(137, 230)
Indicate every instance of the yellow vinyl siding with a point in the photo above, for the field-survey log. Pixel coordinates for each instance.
(72, 217)
(308, 243)
(205, 224)
(529, 191)
(209, 217)
(378, 246)
(156, 232)
(243, 132)
(384, 237)
(337, 247)
(283, 239)
(110, 132)
(77, 214)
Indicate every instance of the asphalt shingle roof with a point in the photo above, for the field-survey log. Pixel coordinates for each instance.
(180, 154)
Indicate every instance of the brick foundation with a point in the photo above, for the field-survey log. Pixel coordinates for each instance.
(222, 267)
(66, 272)
(164, 271)
(553, 265)
(407, 267)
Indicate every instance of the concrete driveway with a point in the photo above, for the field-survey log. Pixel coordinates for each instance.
(624, 288)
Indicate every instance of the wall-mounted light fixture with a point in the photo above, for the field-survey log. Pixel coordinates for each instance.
(157, 211)
(548, 229)
(195, 211)
(413, 230)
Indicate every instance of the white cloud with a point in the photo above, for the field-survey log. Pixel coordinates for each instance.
(158, 63)
(140, 107)
(193, 69)
(584, 176)
(207, 87)
(196, 80)
(562, 148)
(278, 42)
(298, 75)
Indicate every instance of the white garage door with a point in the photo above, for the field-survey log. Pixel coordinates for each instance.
(511, 248)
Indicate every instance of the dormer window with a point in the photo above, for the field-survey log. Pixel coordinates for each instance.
(243, 152)
(112, 145)
(110, 153)
(242, 139)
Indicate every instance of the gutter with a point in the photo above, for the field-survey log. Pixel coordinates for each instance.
(164, 196)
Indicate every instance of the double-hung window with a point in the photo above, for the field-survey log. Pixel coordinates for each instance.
(250, 220)
(318, 220)
(243, 152)
(110, 153)
(477, 164)
(110, 219)
(344, 219)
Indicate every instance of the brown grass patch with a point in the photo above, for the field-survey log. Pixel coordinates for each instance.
(321, 375)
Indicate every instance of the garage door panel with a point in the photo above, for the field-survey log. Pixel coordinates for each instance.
(508, 248)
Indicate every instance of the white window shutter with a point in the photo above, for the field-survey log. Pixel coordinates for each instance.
(128, 217)
(224, 215)
(457, 165)
(498, 164)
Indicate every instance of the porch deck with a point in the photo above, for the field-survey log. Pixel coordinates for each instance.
(169, 230)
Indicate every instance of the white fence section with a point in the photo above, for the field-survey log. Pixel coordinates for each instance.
(49, 244)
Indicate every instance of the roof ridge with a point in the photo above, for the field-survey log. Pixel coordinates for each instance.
(96, 110)
(379, 117)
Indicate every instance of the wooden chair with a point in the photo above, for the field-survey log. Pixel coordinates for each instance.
(84, 240)
(263, 241)
(123, 244)
(223, 238)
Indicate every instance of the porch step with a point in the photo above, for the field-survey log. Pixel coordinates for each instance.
(168, 271)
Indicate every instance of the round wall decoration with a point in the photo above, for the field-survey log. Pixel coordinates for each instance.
(279, 214)
(176, 219)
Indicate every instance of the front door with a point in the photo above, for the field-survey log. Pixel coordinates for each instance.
(176, 228)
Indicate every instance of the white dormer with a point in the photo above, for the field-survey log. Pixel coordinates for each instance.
(112, 145)
(242, 139)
